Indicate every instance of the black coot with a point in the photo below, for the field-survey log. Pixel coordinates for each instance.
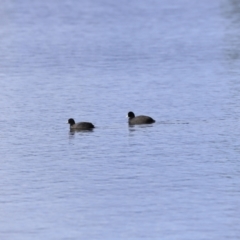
(132, 120)
(80, 125)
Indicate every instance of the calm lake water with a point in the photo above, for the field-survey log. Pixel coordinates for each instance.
(176, 61)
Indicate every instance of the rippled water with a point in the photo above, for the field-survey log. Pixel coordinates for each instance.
(177, 61)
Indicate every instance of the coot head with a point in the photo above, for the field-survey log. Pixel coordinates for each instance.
(131, 115)
(71, 121)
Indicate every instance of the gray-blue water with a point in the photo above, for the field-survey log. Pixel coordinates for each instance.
(175, 60)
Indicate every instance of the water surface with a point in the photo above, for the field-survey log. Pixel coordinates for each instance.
(177, 61)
